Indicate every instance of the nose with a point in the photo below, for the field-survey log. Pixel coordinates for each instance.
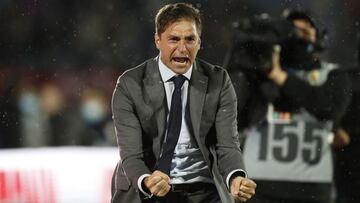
(182, 46)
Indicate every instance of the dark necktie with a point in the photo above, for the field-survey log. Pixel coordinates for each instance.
(173, 127)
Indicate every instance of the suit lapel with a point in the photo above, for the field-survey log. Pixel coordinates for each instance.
(198, 86)
(155, 97)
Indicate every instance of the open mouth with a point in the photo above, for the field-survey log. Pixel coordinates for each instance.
(181, 60)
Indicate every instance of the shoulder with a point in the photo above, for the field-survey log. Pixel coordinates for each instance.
(208, 66)
(334, 70)
(209, 69)
(216, 76)
(138, 72)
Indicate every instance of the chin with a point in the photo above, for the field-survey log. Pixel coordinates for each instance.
(182, 70)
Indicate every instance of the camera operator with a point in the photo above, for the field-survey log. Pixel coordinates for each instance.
(288, 112)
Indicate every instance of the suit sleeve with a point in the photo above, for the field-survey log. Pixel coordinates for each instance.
(128, 131)
(228, 146)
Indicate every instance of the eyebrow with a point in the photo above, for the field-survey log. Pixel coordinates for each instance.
(191, 36)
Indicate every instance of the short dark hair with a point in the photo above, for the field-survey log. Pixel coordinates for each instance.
(298, 14)
(173, 12)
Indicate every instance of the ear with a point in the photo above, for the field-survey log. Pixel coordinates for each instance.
(157, 40)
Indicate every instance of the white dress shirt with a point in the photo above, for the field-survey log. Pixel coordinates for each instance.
(188, 164)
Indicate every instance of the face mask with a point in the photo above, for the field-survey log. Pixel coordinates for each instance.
(29, 103)
(92, 111)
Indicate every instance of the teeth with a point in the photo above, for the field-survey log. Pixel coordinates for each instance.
(180, 60)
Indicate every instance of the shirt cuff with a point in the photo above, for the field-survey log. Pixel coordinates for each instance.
(240, 173)
(139, 183)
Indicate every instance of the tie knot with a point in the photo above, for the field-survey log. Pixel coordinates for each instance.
(178, 81)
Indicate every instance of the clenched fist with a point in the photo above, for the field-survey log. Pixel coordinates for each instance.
(158, 183)
(242, 189)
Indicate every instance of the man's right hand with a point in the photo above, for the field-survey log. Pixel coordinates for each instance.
(158, 183)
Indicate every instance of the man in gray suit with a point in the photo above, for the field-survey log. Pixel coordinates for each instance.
(205, 163)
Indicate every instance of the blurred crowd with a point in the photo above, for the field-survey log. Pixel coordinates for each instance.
(54, 108)
(60, 59)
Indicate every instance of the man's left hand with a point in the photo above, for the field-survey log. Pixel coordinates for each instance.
(242, 189)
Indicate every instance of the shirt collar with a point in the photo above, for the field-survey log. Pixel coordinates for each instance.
(166, 73)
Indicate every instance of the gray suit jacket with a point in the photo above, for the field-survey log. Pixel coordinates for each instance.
(139, 112)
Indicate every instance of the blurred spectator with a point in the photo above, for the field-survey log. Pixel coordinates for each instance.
(65, 124)
(33, 120)
(96, 115)
(289, 105)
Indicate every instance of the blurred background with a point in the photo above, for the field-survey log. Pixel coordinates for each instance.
(59, 59)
